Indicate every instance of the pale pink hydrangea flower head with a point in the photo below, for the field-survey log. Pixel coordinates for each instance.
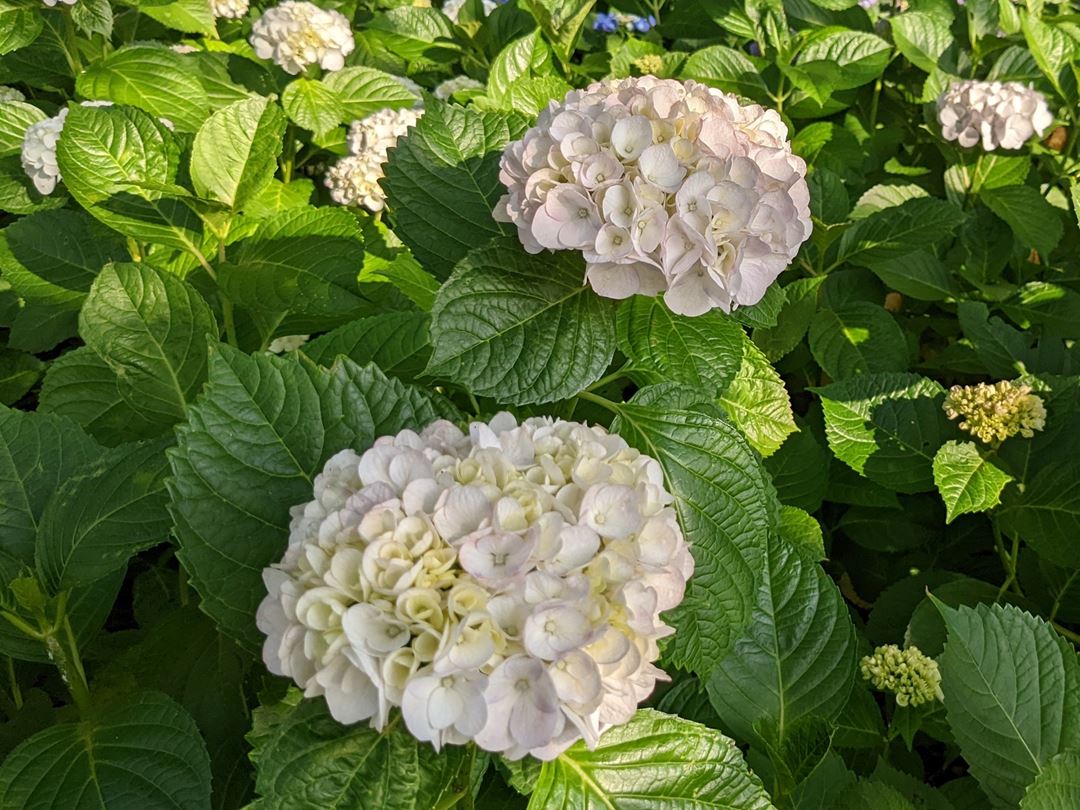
(665, 187)
(503, 585)
(999, 114)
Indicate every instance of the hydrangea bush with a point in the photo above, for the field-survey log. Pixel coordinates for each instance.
(539, 403)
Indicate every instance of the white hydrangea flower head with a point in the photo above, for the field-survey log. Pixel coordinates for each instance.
(354, 180)
(1000, 114)
(503, 585)
(452, 8)
(10, 94)
(296, 34)
(287, 343)
(665, 187)
(230, 9)
(455, 85)
(51, 3)
(39, 152)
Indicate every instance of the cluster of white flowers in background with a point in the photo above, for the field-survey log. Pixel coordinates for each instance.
(1000, 114)
(51, 3)
(287, 343)
(39, 152)
(502, 586)
(297, 34)
(455, 85)
(231, 9)
(10, 94)
(665, 186)
(354, 180)
(452, 8)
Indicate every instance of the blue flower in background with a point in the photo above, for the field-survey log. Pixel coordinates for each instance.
(641, 25)
(753, 49)
(605, 23)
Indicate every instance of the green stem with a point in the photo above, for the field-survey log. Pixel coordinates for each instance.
(288, 155)
(64, 653)
(226, 302)
(473, 403)
(1008, 560)
(610, 378)
(607, 404)
(1057, 599)
(16, 692)
(874, 104)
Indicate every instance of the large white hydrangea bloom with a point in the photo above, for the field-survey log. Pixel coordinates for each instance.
(230, 9)
(297, 34)
(1000, 114)
(664, 186)
(39, 152)
(354, 180)
(503, 586)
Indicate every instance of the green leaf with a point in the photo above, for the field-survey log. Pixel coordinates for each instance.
(386, 259)
(1003, 350)
(82, 386)
(799, 469)
(152, 78)
(235, 152)
(303, 263)
(189, 16)
(704, 352)
(208, 681)
(757, 401)
(528, 96)
(38, 453)
(1012, 695)
(103, 514)
(19, 25)
(967, 481)
(51, 258)
(795, 660)
(93, 17)
(15, 118)
(151, 328)
(920, 275)
(312, 105)
(114, 160)
(19, 372)
(1036, 223)
(305, 758)
(800, 529)
(882, 196)
(895, 232)
(397, 342)
(144, 754)
(725, 68)
(1057, 787)
(520, 328)
(361, 91)
(657, 761)
(879, 796)
(724, 506)
(886, 427)
(17, 193)
(561, 21)
(1051, 47)
(859, 57)
(525, 58)
(795, 316)
(923, 38)
(442, 182)
(1052, 305)
(857, 338)
(1046, 513)
(251, 448)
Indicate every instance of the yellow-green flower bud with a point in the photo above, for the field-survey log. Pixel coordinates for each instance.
(993, 413)
(912, 677)
(648, 64)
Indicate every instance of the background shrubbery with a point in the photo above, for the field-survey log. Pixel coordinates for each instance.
(150, 447)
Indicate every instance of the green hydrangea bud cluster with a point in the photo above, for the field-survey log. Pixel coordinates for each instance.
(913, 677)
(994, 412)
(650, 63)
